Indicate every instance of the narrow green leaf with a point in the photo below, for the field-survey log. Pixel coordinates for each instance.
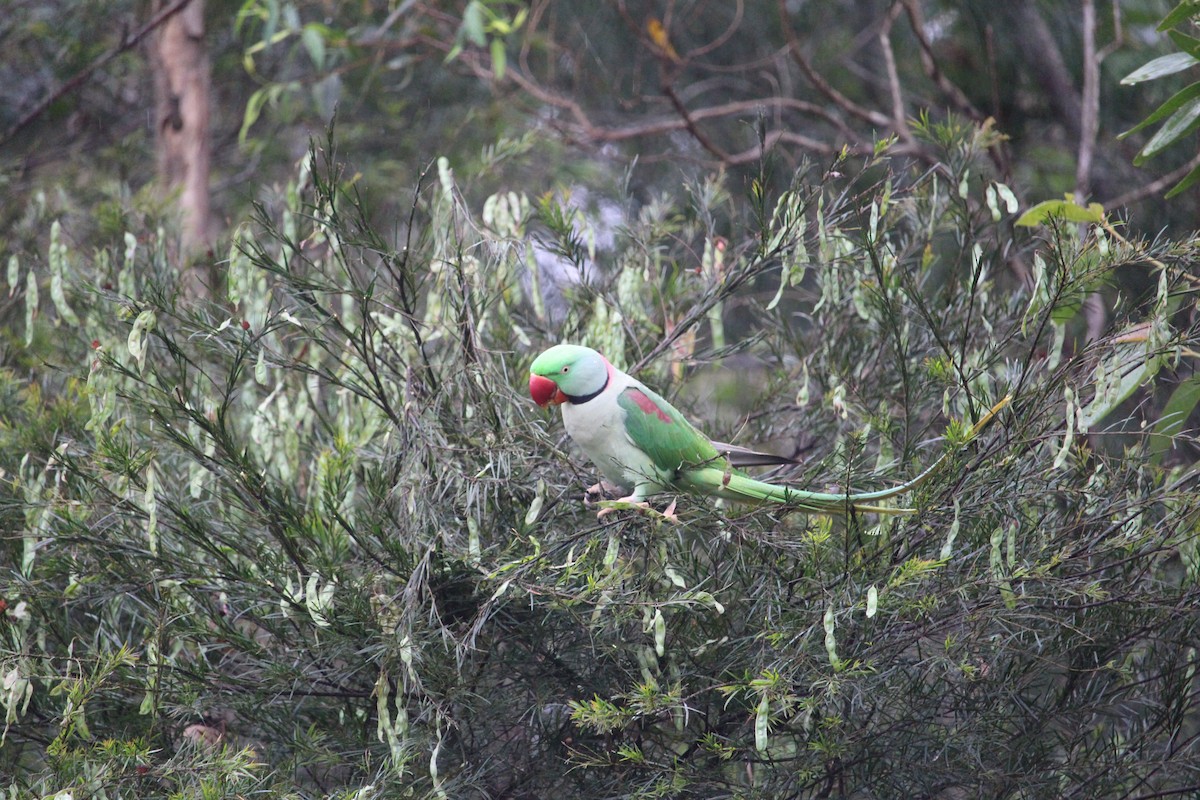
(499, 58)
(762, 717)
(1180, 124)
(612, 551)
(14, 274)
(254, 107)
(1066, 209)
(1188, 44)
(831, 640)
(1069, 433)
(1180, 13)
(472, 24)
(31, 305)
(1168, 108)
(260, 368)
(951, 535)
(1188, 181)
(1157, 68)
(1117, 376)
(1182, 403)
(535, 508)
(137, 336)
(314, 43)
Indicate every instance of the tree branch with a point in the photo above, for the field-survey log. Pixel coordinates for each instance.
(932, 71)
(1155, 186)
(818, 81)
(128, 42)
(690, 124)
(899, 117)
(1089, 106)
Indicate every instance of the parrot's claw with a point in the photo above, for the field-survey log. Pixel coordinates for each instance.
(632, 503)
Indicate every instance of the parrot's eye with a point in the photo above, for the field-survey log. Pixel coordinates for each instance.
(566, 369)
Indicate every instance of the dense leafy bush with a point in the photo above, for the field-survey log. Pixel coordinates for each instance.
(316, 541)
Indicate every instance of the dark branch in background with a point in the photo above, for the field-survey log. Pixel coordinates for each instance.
(818, 81)
(934, 73)
(1155, 187)
(1046, 61)
(840, 112)
(895, 92)
(1089, 127)
(689, 123)
(1089, 120)
(127, 43)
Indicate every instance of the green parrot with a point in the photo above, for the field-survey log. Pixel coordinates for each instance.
(643, 445)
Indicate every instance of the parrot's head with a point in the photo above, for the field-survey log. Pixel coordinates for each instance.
(567, 372)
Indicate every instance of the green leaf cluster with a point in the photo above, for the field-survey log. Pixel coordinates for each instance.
(1179, 115)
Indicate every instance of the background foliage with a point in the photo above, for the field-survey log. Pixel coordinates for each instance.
(311, 539)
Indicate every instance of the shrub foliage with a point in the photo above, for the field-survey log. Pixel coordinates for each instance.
(316, 541)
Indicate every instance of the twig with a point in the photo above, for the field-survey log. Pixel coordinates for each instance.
(818, 81)
(899, 121)
(1046, 61)
(932, 71)
(690, 124)
(126, 43)
(723, 37)
(1155, 186)
(376, 36)
(589, 130)
(1089, 110)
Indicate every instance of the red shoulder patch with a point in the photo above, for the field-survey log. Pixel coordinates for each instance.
(649, 406)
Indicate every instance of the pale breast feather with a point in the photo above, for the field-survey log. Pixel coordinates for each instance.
(598, 427)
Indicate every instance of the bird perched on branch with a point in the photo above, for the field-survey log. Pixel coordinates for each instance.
(643, 445)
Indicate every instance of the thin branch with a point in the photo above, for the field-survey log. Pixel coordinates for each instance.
(592, 131)
(128, 42)
(818, 81)
(376, 36)
(723, 37)
(775, 136)
(1154, 187)
(690, 124)
(932, 71)
(1045, 59)
(899, 118)
(1089, 106)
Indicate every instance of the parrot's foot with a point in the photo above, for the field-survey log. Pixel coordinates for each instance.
(631, 503)
(599, 491)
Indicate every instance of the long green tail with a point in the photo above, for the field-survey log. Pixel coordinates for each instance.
(732, 486)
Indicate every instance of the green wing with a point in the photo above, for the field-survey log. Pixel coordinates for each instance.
(658, 429)
(655, 427)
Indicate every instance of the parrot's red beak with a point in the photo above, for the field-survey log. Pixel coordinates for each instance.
(545, 391)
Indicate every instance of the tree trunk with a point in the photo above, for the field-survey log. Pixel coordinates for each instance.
(181, 89)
